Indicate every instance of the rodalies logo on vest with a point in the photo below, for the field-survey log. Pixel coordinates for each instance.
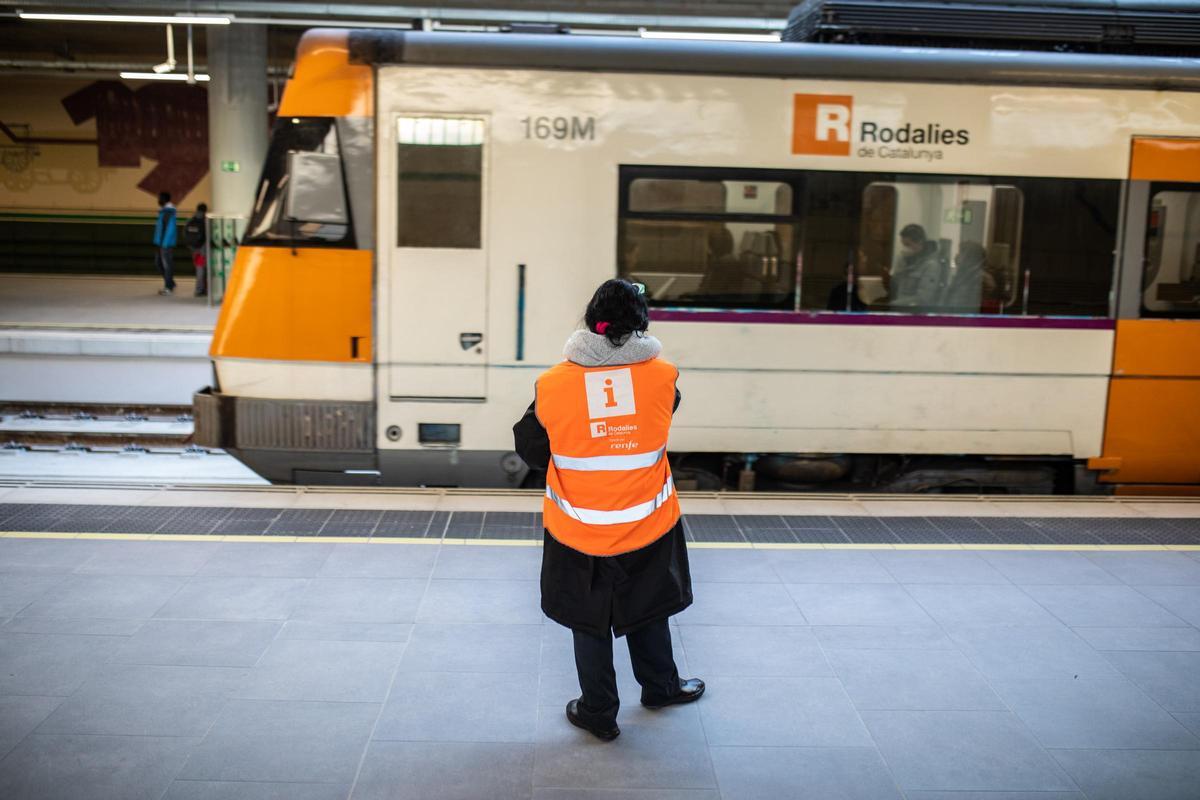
(609, 394)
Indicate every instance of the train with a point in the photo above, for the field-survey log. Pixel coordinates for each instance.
(877, 268)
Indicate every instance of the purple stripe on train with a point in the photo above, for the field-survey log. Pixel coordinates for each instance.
(837, 318)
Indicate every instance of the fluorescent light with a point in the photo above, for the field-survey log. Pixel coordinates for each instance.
(151, 18)
(160, 76)
(710, 37)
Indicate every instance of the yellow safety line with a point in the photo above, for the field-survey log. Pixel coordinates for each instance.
(183, 537)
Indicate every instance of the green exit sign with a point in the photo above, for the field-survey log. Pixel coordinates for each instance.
(230, 166)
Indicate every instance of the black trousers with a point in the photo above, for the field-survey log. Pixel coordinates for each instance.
(164, 259)
(653, 666)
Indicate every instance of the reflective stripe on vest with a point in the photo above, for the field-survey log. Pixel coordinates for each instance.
(631, 514)
(609, 463)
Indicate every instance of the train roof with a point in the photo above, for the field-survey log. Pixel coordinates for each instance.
(577, 52)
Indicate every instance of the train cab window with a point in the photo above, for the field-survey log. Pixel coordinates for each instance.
(709, 238)
(1171, 283)
(301, 198)
(440, 182)
(937, 248)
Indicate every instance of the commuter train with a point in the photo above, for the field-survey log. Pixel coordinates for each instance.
(877, 268)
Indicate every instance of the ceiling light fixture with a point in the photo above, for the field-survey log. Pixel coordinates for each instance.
(160, 76)
(183, 19)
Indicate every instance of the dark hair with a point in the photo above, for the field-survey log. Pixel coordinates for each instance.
(202, 208)
(164, 197)
(913, 232)
(622, 306)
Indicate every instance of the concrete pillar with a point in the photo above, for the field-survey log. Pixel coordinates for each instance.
(237, 114)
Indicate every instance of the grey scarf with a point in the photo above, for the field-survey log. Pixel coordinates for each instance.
(589, 349)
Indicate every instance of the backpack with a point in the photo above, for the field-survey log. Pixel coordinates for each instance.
(194, 233)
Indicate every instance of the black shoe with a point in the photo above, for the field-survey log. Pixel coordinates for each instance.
(690, 690)
(607, 734)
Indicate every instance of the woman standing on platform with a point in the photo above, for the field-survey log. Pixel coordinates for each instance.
(614, 560)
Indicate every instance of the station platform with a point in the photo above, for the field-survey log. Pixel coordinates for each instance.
(82, 339)
(281, 642)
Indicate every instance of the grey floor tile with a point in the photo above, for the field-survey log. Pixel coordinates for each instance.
(556, 688)
(895, 679)
(473, 648)
(58, 767)
(148, 558)
(731, 566)
(354, 560)
(1189, 720)
(1101, 605)
(18, 591)
(1157, 638)
(1169, 678)
(981, 604)
(235, 598)
(857, 604)
(106, 596)
(446, 771)
(995, 796)
(1133, 774)
(824, 773)
(1093, 712)
(883, 637)
(749, 712)
(476, 601)
(386, 600)
(1048, 567)
(452, 707)
(73, 626)
(135, 700)
(656, 750)
(1182, 601)
(828, 566)
(267, 559)
(753, 651)
(202, 643)
(244, 790)
(626, 794)
(51, 664)
(741, 604)
(20, 715)
(963, 750)
(1150, 568)
(304, 669)
(1030, 651)
(271, 740)
(488, 562)
(938, 566)
(346, 631)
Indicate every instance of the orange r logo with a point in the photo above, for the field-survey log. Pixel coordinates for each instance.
(821, 124)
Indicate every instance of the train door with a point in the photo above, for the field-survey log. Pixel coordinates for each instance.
(438, 270)
(1152, 429)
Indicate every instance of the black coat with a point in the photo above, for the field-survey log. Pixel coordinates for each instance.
(596, 594)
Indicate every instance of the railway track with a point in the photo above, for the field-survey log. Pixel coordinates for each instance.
(64, 427)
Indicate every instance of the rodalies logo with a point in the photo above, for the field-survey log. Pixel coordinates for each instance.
(821, 124)
(824, 125)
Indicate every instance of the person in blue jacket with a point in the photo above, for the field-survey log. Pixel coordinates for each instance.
(164, 241)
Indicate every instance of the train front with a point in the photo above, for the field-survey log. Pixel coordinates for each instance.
(292, 396)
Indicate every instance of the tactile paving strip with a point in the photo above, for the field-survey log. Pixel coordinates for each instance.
(526, 526)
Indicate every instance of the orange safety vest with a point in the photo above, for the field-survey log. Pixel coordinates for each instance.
(608, 485)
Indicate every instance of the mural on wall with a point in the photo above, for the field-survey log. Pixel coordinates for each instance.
(104, 146)
(166, 122)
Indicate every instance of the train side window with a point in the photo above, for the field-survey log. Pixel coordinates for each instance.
(301, 198)
(1171, 283)
(938, 248)
(710, 238)
(440, 182)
